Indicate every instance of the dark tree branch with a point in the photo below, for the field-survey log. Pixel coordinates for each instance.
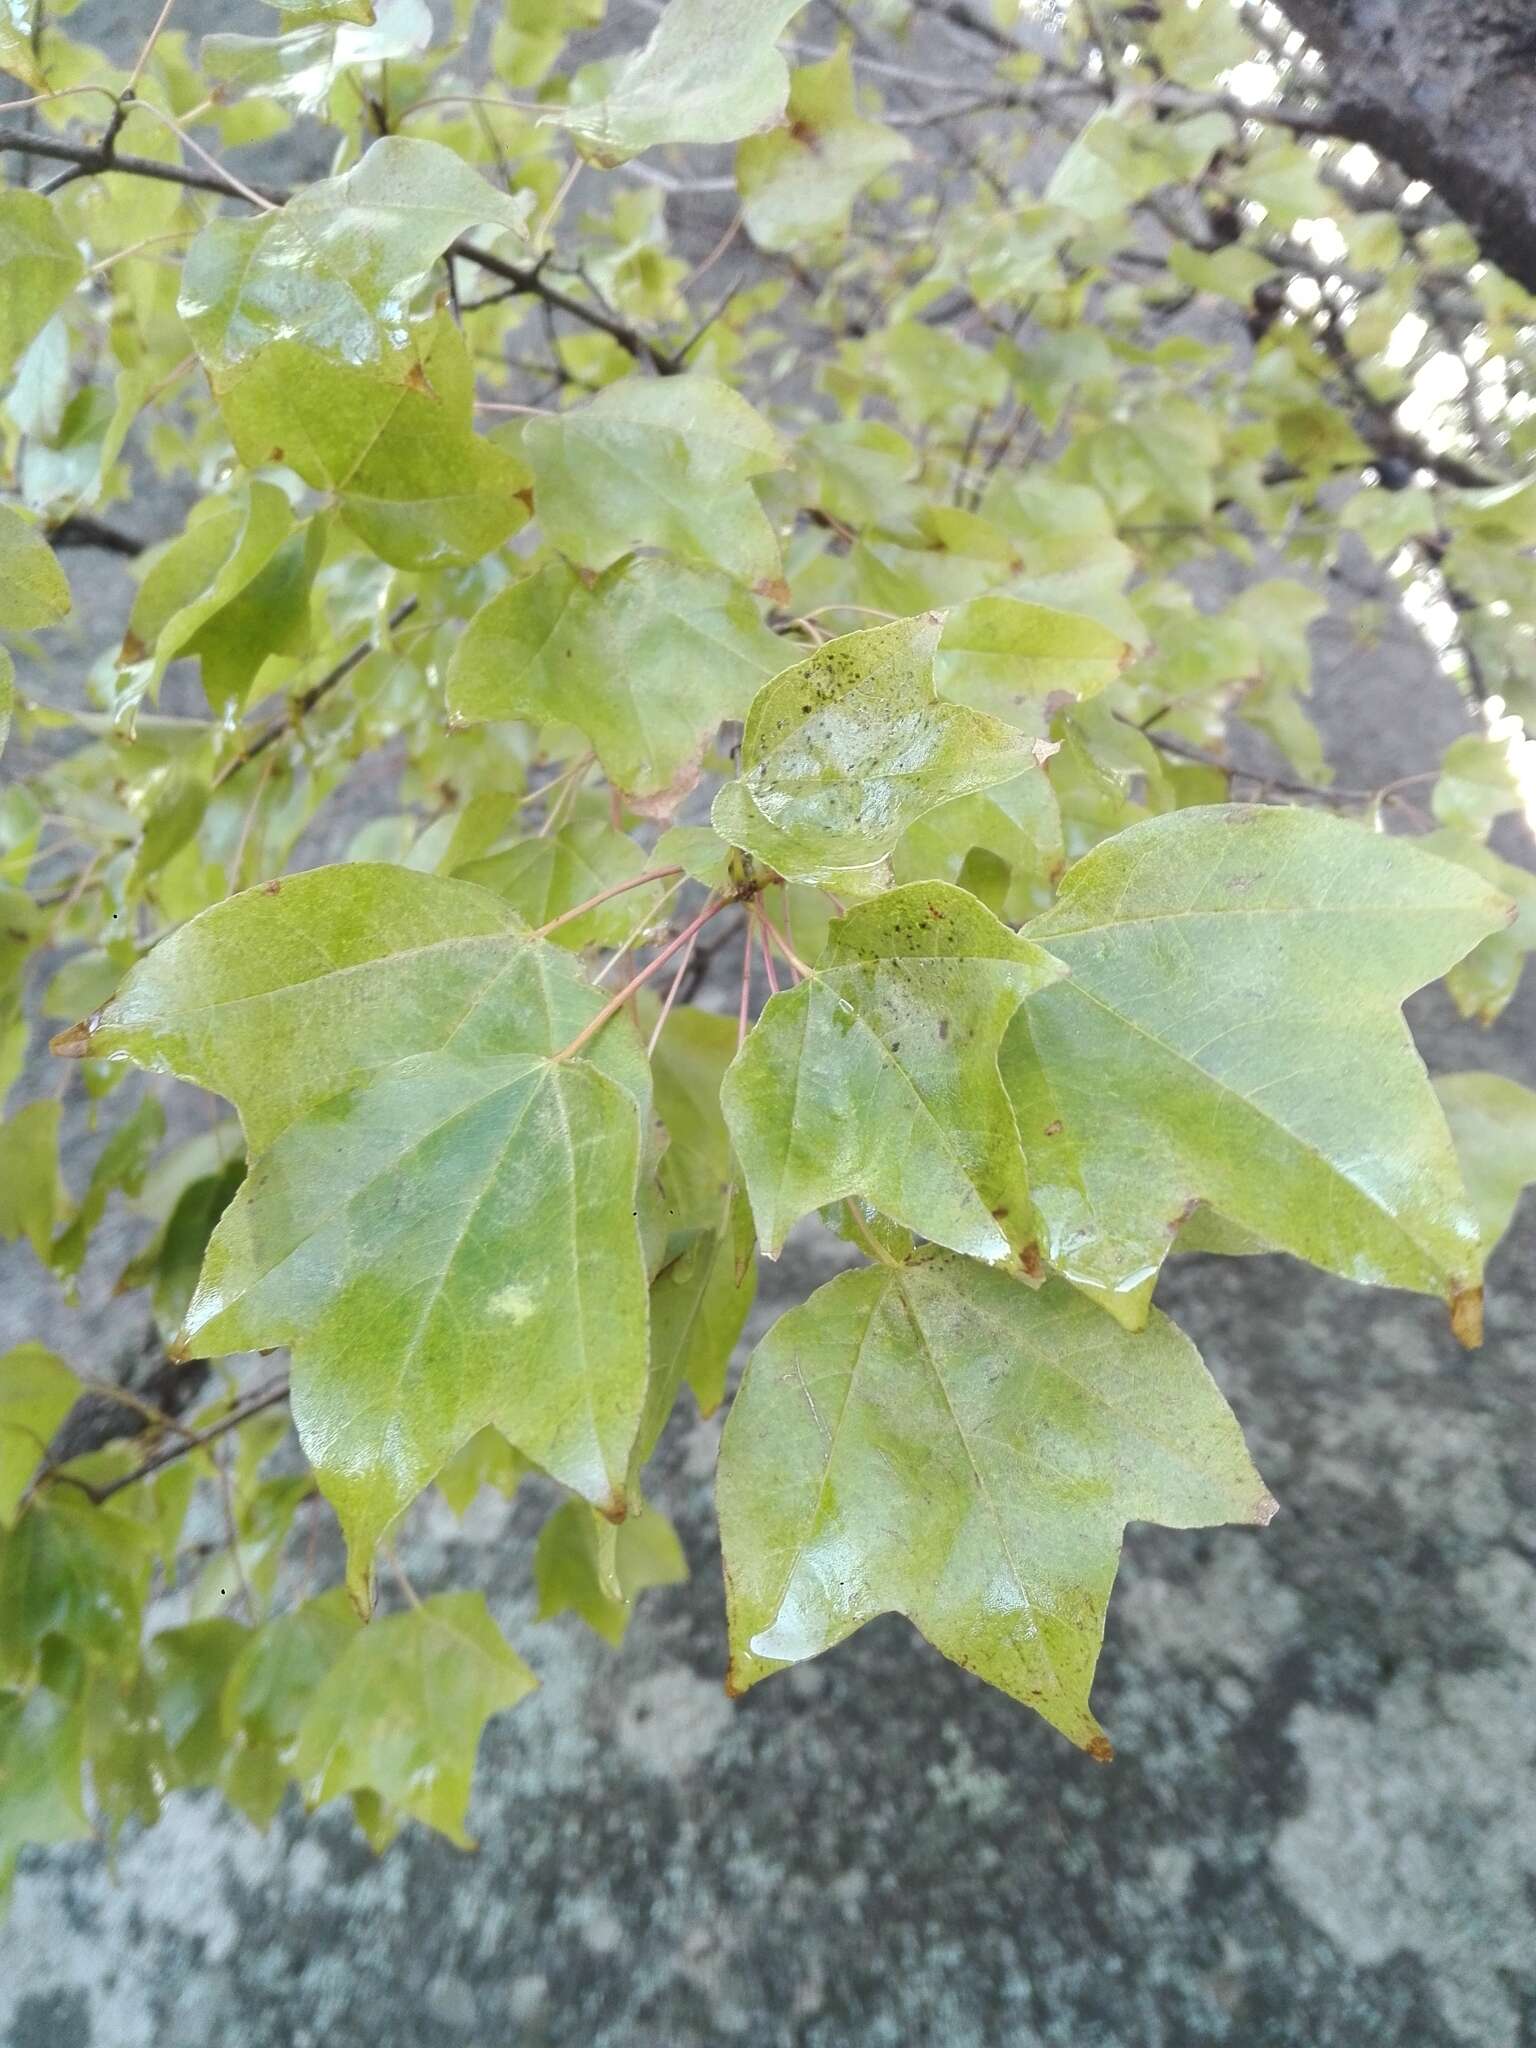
(82, 530)
(1446, 89)
(100, 158)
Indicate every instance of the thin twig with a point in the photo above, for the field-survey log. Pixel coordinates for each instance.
(305, 702)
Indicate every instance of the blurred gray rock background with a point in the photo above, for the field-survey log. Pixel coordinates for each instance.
(1320, 1831)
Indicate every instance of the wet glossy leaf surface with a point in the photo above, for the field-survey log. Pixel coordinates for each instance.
(1229, 1032)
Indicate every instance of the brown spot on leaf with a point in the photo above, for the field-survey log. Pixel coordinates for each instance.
(272, 888)
(274, 455)
(1467, 1317)
(615, 1508)
(1000, 1213)
(132, 649)
(1054, 1128)
(525, 495)
(1100, 1748)
(416, 379)
(1031, 1261)
(772, 588)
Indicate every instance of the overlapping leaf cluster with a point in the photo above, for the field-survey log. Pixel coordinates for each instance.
(785, 775)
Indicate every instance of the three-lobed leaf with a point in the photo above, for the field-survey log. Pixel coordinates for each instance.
(936, 1440)
(440, 1215)
(1229, 1032)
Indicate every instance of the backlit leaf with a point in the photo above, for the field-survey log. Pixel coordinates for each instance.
(39, 263)
(589, 1567)
(935, 1440)
(37, 1391)
(1493, 1125)
(33, 588)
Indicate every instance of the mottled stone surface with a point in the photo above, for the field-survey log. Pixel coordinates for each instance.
(1320, 1832)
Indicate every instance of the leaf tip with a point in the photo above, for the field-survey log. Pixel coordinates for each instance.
(1100, 1748)
(75, 1043)
(1265, 1510)
(1467, 1317)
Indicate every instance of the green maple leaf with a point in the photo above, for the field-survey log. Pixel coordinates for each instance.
(401, 1711)
(709, 73)
(410, 477)
(233, 589)
(798, 183)
(844, 751)
(878, 1076)
(41, 1753)
(439, 1218)
(666, 463)
(1493, 1126)
(39, 267)
(1229, 1033)
(545, 878)
(596, 1569)
(34, 590)
(37, 1391)
(935, 1440)
(340, 265)
(648, 661)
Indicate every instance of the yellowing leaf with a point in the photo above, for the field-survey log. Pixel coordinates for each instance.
(401, 1711)
(440, 1219)
(1229, 1032)
(844, 751)
(648, 662)
(709, 73)
(33, 588)
(935, 1440)
(878, 1076)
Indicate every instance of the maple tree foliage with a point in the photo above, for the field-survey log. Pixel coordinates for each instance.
(811, 791)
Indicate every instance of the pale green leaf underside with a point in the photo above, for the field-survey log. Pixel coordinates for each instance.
(665, 463)
(1229, 1032)
(878, 1076)
(937, 1441)
(844, 751)
(709, 73)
